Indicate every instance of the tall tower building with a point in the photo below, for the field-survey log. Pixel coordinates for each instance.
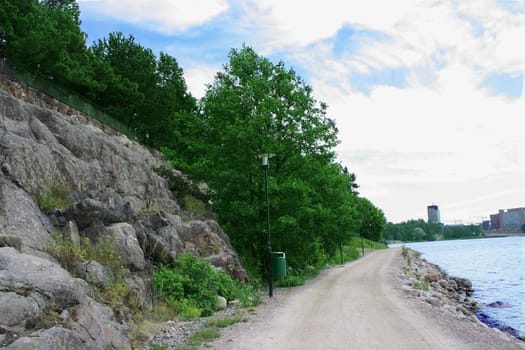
(433, 214)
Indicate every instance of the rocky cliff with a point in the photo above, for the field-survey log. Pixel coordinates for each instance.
(65, 180)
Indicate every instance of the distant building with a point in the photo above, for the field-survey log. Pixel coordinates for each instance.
(508, 219)
(433, 214)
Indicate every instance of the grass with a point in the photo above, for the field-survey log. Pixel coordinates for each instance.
(223, 322)
(55, 196)
(144, 324)
(200, 337)
(353, 249)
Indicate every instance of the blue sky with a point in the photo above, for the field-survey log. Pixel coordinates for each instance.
(427, 95)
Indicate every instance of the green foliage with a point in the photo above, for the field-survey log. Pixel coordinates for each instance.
(185, 309)
(406, 254)
(158, 347)
(103, 251)
(261, 107)
(292, 280)
(253, 106)
(116, 294)
(372, 221)
(190, 284)
(187, 193)
(420, 230)
(146, 93)
(65, 252)
(56, 196)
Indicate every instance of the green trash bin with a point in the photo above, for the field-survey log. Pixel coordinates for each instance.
(278, 265)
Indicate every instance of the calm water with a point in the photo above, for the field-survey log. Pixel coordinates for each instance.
(496, 267)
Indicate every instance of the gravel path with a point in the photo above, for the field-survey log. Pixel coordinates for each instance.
(361, 305)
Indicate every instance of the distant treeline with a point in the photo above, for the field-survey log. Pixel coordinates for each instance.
(420, 230)
(252, 107)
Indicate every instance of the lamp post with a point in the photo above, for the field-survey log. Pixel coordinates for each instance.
(362, 247)
(266, 165)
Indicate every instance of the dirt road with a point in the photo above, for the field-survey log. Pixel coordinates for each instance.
(356, 306)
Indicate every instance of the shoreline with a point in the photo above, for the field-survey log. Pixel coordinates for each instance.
(428, 283)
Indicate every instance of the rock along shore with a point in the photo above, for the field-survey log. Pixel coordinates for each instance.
(426, 282)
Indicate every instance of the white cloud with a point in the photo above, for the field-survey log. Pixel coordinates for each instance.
(198, 77)
(439, 137)
(164, 16)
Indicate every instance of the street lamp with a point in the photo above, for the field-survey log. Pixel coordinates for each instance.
(266, 165)
(362, 247)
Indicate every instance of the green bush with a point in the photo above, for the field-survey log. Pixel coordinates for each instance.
(292, 280)
(191, 283)
(185, 309)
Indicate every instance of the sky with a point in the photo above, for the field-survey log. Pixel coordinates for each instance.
(428, 96)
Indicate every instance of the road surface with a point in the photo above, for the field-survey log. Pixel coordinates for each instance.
(355, 306)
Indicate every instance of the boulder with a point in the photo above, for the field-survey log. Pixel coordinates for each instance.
(52, 339)
(127, 246)
(10, 241)
(22, 218)
(96, 323)
(27, 272)
(433, 301)
(433, 277)
(222, 303)
(15, 309)
(94, 272)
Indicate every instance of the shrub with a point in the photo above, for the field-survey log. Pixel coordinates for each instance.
(292, 280)
(185, 309)
(190, 283)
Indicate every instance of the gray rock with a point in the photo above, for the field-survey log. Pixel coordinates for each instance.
(94, 272)
(96, 323)
(22, 218)
(56, 338)
(452, 285)
(23, 271)
(222, 303)
(10, 241)
(443, 284)
(433, 277)
(71, 233)
(15, 309)
(127, 245)
(111, 184)
(433, 301)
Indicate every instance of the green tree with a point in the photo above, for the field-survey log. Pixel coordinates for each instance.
(45, 38)
(146, 93)
(372, 220)
(255, 106)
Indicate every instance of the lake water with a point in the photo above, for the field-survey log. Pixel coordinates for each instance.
(496, 267)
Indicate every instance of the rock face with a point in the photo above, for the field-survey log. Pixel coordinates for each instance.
(64, 174)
